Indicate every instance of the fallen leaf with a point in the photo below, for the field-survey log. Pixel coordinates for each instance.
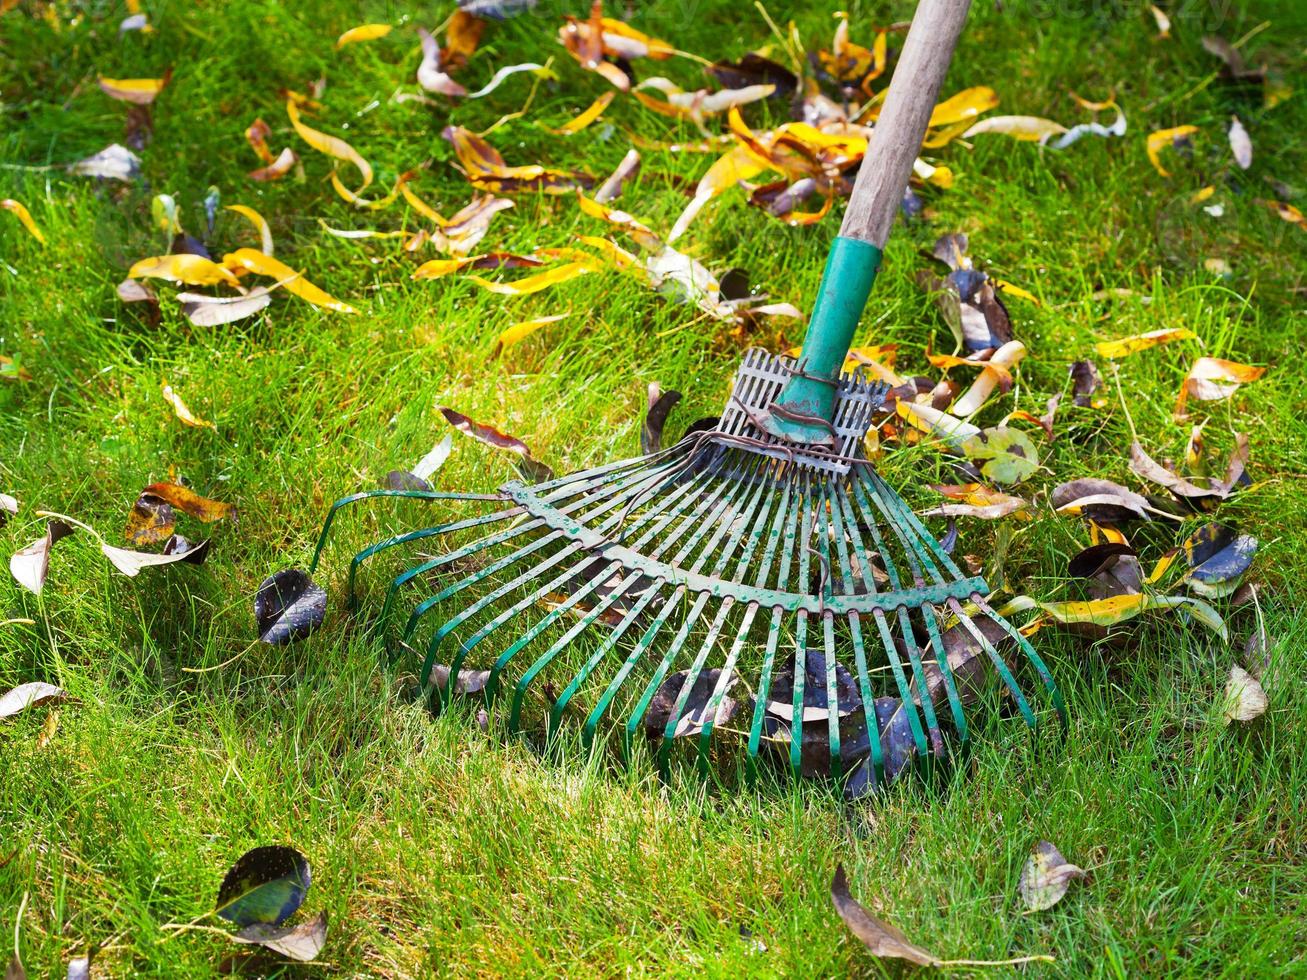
(534, 284)
(520, 331)
(114, 162)
(24, 217)
(30, 565)
(1032, 128)
(138, 91)
(190, 502)
(294, 282)
(530, 467)
(1163, 22)
(586, 117)
(214, 311)
(1218, 558)
(191, 270)
(364, 32)
(1046, 877)
(1245, 700)
(661, 404)
(1115, 349)
(260, 225)
(265, 886)
(431, 74)
(181, 410)
(151, 520)
(694, 715)
(1102, 501)
(1116, 609)
(427, 466)
(29, 695)
(611, 188)
(485, 168)
(1162, 138)
(1009, 455)
(288, 606)
(1240, 144)
(130, 563)
(882, 940)
(1214, 379)
(302, 942)
(277, 168)
(332, 146)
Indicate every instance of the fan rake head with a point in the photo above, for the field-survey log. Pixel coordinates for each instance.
(732, 576)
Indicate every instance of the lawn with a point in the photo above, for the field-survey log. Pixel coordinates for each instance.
(440, 848)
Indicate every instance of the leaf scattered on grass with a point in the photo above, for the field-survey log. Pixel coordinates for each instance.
(182, 411)
(1245, 700)
(695, 715)
(265, 886)
(214, 311)
(1046, 877)
(288, 606)
(1240, 144)
(1162, 138)
(882, 940)
(1214, 379)
(1218, 558)
(364, 32)
(30, 565)
(1009, 455)
(293, 282)
(29, 695)
(301, 942)
(186, 268)
(24, 217)
(467, 681)
(530, 467)
(1115, 349)
(138, 91)
(661, 404)
(520, 331)
(114, 162)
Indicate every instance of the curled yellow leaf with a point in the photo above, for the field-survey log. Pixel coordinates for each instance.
(259, 223)
(294, 282)
(192, 270)
(24, 217)
(1113, 349)
(364, 32)
(520, 331)
(967, 104)
(1163, 138)
(583, 120)
(138, 91)
(181, 410)
(332, 146)
(436, 268)
(534, 284)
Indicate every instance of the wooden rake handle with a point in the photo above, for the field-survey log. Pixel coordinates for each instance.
(901, 126)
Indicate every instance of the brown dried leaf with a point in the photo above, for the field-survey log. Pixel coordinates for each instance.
(881, 939)
(1046, 877)
(530, 467)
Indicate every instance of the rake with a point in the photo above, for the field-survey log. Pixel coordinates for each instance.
(764, 555)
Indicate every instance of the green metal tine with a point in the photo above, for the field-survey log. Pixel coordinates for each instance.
(801, 632)
(825, 531)
(999, 663)
(741, 637)
(599, 505)
(712, 523)
(373, 494)
(732, 530)
(531, 574)
(758, 518)
(904, 621)
(679, 501)
(793, 507)
(1055, 694)
(845, 532)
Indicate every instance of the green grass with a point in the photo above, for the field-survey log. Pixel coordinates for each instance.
(441, 850)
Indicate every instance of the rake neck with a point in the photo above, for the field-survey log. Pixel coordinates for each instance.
(803, 410)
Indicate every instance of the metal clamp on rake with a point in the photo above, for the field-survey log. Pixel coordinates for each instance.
(763, 560)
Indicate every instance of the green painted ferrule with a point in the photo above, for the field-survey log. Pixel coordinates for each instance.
(845, 285)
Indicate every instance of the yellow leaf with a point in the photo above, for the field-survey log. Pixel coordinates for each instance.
(1213, 379)
(441, 267)
(193, 270)
(182, 411)
(294, 282)
(1202, 194)
(520, 331)
(1118, 608)
(740, 163)
(138, 91)
(1010, 290)
(1163, 138)
(967, 104)
(1113, 349)
(332, 146)
(364, 32)
(583, 120)
(1288, 213)
(534, 284)
(22, 214)
(257, 220)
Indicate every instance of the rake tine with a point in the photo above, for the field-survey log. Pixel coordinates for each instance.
(999, 663)
(373, 494)
(905, 623)
(826, 518)
(1055, 694)
(711, 523)
(846, 527)
(628, 490)
(659, 521)
(792, 508)
(759, 522)
(801, 635)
